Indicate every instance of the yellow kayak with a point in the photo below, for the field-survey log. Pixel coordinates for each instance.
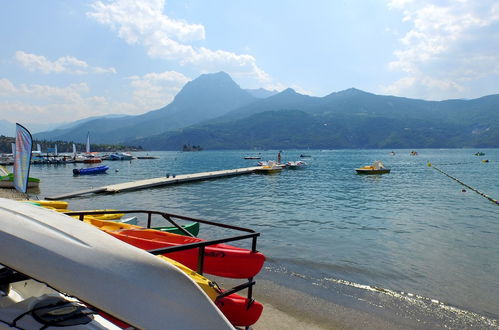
(240, 311)
(54, 204)
(112, 216)
(108, 225)
(209, 287)
(61, 206)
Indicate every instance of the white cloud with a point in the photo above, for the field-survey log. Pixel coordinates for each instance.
(143, 23)
(449, 45)
(398, 3)
(66, 64)
(155, 90)
(45, 103)
(6, 87)
(136, 19)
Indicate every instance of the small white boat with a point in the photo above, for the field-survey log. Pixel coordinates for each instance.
(376, 168)
(270, 167)
(296, 165)
(6, 159)
(92, 159)
(79, 158)
(92, 266)
(120, 156)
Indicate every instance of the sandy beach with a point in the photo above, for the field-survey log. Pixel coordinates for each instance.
(12, 194)
(286, 308)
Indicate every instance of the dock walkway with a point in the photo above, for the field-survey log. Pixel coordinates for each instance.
(156, 182)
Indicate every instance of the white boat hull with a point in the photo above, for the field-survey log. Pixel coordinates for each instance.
(25, 296)
(84, 262)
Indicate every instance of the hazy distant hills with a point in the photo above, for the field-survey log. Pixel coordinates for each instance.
(261, 93)
(7, 128)
(346, 119)
(214, 112)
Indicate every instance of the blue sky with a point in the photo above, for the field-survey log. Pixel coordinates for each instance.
(66, 60)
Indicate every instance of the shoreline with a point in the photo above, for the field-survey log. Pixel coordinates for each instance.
(296, 301)
(288, 308)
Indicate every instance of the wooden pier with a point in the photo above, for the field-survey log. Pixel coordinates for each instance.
(157, 182)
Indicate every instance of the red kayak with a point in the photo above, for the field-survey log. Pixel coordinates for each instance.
(234, 307)
(220, 259)
(237, 310)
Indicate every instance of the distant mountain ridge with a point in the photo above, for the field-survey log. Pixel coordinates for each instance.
(346, 119)
(84, 120)
(206, 97)
(214, 112)
(7, 128)
(261, 93)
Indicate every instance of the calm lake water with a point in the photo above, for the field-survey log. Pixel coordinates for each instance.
(412, 233)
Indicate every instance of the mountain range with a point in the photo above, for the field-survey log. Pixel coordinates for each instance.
(214, 112)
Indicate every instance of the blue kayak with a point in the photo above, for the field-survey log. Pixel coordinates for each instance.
(90, 170)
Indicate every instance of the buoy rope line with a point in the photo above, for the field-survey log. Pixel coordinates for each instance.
(495, 201)
(460, 163)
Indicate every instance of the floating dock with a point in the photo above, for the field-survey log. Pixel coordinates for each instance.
(157, 182)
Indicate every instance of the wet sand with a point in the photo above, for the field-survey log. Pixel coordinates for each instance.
(12, 194)
(286, 308)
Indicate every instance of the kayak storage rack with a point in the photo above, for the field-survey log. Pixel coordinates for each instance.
(244, 234)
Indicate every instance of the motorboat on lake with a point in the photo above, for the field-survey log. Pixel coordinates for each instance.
(376, 168)
(92, 159)
(148, 157)
(270, 167)
(296, 165)
(120, 156)
(90, 170)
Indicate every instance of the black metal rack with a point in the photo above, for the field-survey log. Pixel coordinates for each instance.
(250, 234)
